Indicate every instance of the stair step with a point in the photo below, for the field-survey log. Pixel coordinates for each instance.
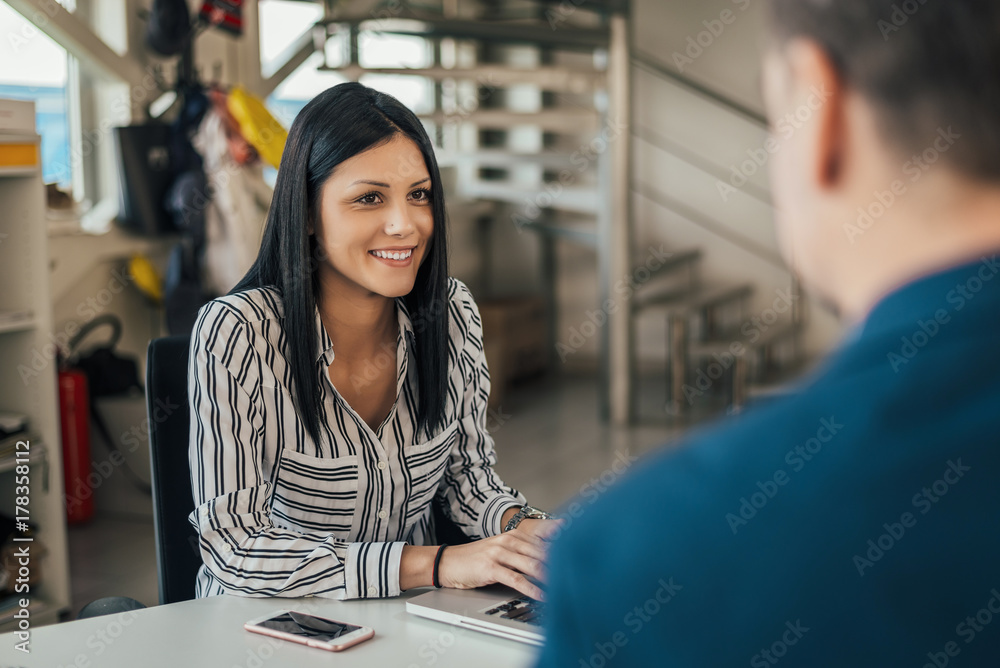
(684, 301)
(576, 199)
(718, 345)
(677, 260)
(584, 234)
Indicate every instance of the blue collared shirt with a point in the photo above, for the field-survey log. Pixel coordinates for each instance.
(855, 522)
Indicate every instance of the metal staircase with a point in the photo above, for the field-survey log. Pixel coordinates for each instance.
(705, 323)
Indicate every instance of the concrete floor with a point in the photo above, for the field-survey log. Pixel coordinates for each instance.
(549, 443)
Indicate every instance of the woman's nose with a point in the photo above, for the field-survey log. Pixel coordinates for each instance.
(399, 222)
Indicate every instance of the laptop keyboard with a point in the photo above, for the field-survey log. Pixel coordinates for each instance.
(524, 609)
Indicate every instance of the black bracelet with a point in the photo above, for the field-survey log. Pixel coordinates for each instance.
(437, 561)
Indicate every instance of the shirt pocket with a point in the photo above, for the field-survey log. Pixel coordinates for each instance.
(316, 494)
(426, 463)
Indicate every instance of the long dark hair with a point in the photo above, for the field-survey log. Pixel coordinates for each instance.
(337, 124)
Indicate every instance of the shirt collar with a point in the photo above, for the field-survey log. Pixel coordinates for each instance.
(944, 293)
(324, 345)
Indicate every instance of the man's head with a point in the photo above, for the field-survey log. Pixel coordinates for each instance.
(888, 112)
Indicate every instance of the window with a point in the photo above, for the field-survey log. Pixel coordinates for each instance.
(283, 22)
(33, 67)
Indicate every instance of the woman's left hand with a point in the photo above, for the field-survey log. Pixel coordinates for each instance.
(545, 530)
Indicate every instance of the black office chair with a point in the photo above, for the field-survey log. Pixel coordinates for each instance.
(177, 554)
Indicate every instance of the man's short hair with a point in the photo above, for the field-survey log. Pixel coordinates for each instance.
(924, 65)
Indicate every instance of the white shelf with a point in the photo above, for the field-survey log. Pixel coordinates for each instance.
(20, 171)
(41, 612)
(38, 453)
(16, 324)
(24, 274)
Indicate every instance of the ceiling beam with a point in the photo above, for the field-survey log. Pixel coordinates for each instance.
(293, 57)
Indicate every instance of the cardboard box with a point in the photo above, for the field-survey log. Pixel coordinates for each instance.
(17, 116)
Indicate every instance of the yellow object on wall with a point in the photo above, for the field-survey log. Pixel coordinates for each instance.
(145, 278)
(257, 125)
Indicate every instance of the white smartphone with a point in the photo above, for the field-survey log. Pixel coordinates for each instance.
(310, 630)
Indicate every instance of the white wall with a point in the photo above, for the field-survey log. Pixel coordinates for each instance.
(730, 61)
(716, 139)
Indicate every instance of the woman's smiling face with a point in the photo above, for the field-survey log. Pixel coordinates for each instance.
(375, 220)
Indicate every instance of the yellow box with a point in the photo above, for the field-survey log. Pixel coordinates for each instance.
(19, 155)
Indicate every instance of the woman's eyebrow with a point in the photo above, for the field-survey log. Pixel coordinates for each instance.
(386, 185)
(372, 183)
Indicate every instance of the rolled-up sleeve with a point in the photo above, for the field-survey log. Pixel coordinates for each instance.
(243, 551)
(475, 496)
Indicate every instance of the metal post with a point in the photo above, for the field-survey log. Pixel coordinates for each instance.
(616, 223)
(677, 363)
(549, 272)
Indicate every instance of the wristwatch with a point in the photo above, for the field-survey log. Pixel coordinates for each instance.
(526, 513)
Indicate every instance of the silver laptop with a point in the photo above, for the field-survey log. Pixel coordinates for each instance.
(497, 610)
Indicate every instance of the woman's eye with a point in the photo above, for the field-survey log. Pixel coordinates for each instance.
(370, 198)
(421, 195)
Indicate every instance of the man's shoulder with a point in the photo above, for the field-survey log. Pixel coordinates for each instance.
(693, 488)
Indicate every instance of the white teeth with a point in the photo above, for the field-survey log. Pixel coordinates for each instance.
(393, 255)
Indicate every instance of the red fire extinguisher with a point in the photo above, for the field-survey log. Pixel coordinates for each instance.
(74, 410)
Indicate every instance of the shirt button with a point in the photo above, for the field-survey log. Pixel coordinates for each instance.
(204, 512)
(381, 464)
(372, 591)
(227, 548)
(382, 514)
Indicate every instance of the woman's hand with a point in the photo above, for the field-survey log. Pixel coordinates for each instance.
(546, 530)
(510, 558)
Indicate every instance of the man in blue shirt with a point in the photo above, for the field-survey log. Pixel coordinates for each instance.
(855, 522)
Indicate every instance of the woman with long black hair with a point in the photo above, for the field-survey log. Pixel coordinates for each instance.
(340, 389)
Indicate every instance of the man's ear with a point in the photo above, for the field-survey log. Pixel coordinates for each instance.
(821, 97)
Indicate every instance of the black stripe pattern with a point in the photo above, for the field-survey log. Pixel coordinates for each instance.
(281, 515)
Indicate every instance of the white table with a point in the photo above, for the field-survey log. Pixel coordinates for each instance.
(209, 632)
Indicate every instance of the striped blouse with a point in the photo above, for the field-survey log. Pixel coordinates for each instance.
(281, 515)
